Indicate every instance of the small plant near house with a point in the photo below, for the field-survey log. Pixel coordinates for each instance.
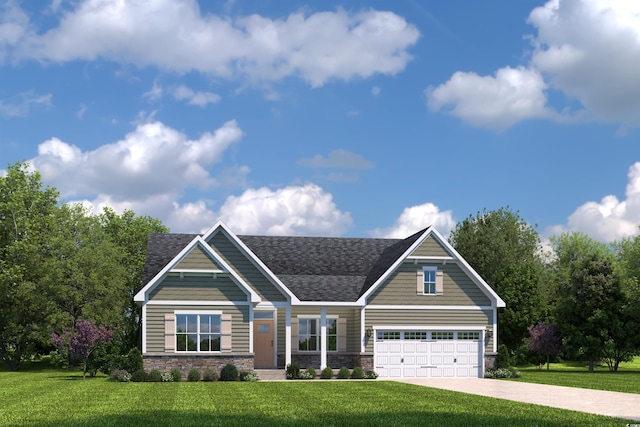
(502, 373)
(293, 371)
(251, 376)
(194, 375)
(327, 373)
(370, 375)
(120, 375)
(357, 373)
(139, 376)
(307, 374)
(209, 375)
(344, 373)
(176, 374)
(166, 377)
(155, 376)
(311, 371)
(229, 373)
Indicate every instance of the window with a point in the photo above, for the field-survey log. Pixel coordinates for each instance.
(429, 280)
(441, 335)
(415, 336)
(388, 335)
(309, 334)
(469, 335)
(198, 332)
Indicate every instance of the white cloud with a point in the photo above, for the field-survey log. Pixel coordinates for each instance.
(155, 92)
(495, 102)
(338, 159)
(291, 211)
(375, 91)
(175, 35)
(609, 219)
(201, 99)
(415, 218)
(21, 105)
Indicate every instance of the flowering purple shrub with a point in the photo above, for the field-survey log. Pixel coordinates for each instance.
(544, 339)
(81, 341)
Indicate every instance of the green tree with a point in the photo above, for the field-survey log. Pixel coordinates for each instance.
(130, 233)
(503, 249)
(26, 209)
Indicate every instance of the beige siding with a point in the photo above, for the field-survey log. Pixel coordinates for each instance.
(430, 247)
(430, 319)
(400, 288)
(198, 288)
(351, 314)
(239, 326)
(245, 269)
(197, 259)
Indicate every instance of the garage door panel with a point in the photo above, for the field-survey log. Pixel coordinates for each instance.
(409, 347)
(422, 347)
(436, 360)
(409, 360)
(422, 359)
(409, 372)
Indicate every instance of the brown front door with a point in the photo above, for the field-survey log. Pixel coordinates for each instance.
(263, 343)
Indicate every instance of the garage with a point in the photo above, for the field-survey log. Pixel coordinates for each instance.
(428, 354)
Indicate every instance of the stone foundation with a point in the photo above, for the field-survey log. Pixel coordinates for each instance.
(334, 360)
(490, 360)
(165, 363)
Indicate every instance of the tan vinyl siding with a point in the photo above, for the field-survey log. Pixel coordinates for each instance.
(245, 268)
(198, 288)
(430, 247)
(430, 319)
(197, 259)
(351, 314)
(400, 288)
(239, 326)
(281, 330)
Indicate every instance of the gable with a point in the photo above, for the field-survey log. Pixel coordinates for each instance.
(197, 259)
(430, 248)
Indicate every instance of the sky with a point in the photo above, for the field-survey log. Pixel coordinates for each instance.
(325, 118)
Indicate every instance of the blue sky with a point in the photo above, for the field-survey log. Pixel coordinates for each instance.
(330, 118)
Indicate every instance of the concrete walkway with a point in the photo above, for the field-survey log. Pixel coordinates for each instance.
(610, 403)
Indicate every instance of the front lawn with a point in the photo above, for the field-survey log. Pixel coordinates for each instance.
(43, 397)
(573, 374)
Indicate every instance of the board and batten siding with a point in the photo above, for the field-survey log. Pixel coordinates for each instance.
(197, 259)
(430, 319)
(245, 268)
(239, 325)
(400, 288)
(352, 315)
(197, 288)
(430, 247)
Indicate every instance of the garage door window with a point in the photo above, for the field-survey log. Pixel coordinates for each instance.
(388, 335)
(422, 336)
(441, 335)
(469, 335)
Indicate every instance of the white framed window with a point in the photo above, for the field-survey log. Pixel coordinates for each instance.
(429, 280)
(309, 334)
(197, 332)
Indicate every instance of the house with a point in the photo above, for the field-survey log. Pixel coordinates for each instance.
(404, 308)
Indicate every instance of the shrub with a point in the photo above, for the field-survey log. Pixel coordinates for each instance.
(121, 376)
(166, 377)
(502, 373)
(327, 373)
(293, 371)
(209, 375)
(176, 374)
(139, 376)
(251, 376)
(133, 360)
(357, 373)
(370, 375)
(229, 373)
(312, 372)
(155, 376)
(194, 375)
(503, 360)
(343, 373)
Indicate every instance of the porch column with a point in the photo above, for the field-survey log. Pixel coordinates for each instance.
(287, 336)
(323, 338)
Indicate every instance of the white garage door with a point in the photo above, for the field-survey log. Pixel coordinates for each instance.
(428, 354)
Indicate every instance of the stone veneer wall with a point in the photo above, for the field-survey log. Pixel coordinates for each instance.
(166, 363)
(490, 360)
(334, 360)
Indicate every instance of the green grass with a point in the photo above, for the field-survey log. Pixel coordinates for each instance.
(45, 397)
(574, 374)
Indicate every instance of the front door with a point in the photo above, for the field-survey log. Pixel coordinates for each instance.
(263, 343)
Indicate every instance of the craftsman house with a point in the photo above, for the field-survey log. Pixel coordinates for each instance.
(404, 308)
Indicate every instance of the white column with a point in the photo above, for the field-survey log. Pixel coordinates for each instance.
(251, 328)
(362, 332)
(323, 338)
(287, 336)
(144, 327)
(495, 329)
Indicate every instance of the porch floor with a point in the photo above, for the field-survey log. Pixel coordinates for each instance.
(272, 374)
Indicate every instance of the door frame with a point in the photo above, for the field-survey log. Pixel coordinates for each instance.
(274, 321)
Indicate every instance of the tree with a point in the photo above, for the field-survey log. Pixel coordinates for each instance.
(544, 339)
(26, 208)
(81, 341)
(503, 249)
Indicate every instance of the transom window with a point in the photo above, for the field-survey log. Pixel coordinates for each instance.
(415, 335)
(429, 280)
(469, 335)
(309, 334)
(441, 335)
(388, 335)
(198, 332)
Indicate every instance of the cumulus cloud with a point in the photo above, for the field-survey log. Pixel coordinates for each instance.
(415, 218)
(609, 219)
(337, 159)
(175, 35)
(495, 102)
(201, 99)
(292, 211)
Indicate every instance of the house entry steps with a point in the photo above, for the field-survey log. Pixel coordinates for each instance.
(272, 374)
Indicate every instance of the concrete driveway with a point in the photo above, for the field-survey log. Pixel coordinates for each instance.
(610, 403)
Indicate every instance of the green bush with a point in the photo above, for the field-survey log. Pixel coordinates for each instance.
(139, 376)
(293, 371)
(176, 374)
(133, 360)
(327, 373)
(343, 373)
(251, 376)
(166, 377)
(209, 375)
(194, 375)
(502, 373)
(311, 372)
(357, 373)
(370, 375)
(120, 375)
(155, 376)
(503, 360)
(229, 373)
